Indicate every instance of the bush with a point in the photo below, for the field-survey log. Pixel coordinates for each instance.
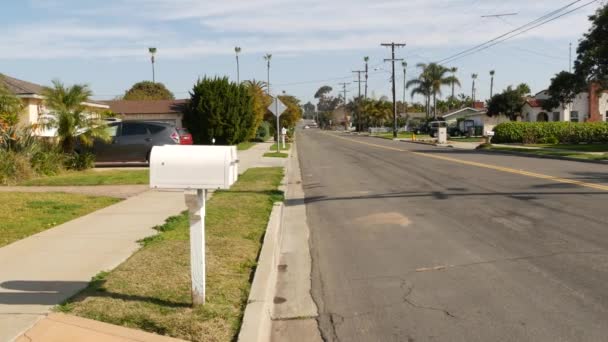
(48, 162)
(79, 161)
(263, 133)
(220, 110)
(14, 168)
(551, 132)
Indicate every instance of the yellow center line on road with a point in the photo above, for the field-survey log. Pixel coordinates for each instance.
(483, 165)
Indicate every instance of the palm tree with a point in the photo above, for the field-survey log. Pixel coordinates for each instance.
(267, 58)
(435, 74)
(492, 72)
(366, 60)
(237, 50)
(474, 77)
(69, 116)
(453, 70)
(255, 84)
(422, 86)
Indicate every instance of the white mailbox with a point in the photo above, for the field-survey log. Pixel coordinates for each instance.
(193, 167)
(200, 168)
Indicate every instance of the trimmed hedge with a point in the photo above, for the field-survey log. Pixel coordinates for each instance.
(551, 132)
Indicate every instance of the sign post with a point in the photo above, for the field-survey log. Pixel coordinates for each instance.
(277, 108)
(196, 209)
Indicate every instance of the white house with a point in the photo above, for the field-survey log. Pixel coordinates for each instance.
(478, 116)
(587, 106)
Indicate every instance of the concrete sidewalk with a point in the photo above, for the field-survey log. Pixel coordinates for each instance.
(45, 269)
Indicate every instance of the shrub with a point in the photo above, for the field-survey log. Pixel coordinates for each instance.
(219, 109)
(263, 133)
(551, 132)
(79, 161)
(48, 163)
(14, 167)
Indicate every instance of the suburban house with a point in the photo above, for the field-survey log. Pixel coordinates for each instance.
(169, 111)
(587, 106)
(33, 100)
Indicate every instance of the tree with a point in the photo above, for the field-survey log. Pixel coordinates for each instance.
(474, 77)
(70, 117)
(509, 102)
(292, 114)
(323, 91)
(432, 78)
(563, 89)
(326, 103)
(10, 106)
(261, 101)
(453, 70)
(309, 109)
(421, 86)
(591, 64)
(220, 110)
(147, 90)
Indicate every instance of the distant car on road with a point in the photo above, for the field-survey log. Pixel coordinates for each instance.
(132, 141)
(185, 138)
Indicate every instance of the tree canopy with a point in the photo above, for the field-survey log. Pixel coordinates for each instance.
(220, 110)
(563, 89)
(509, 102)
(147, 90)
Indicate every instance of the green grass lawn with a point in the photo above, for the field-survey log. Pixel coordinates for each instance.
(576, 147)
(25, 214)
(274, 147)
(276, 155)
(401, 135)
(542, 152)
(245, 145)
(151, 290)
(465, 139)
(92, 177)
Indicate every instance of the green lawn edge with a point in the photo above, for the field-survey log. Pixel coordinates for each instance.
(151, 290)
(93, 177)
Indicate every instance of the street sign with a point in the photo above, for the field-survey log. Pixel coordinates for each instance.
(277, 107)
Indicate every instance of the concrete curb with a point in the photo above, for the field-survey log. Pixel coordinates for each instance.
(257, 320)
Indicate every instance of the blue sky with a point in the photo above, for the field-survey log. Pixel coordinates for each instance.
(313, 42)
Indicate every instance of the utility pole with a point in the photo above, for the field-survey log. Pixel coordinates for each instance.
(474, 77)
(366, 60)
(570, 59)
(404, 65)
(392, 59)
(345, 91)
(356, 120)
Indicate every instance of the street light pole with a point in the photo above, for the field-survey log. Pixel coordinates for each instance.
(237, 50)
(152, 51)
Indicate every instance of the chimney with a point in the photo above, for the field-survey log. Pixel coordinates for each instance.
(594, 102)
(480, 105)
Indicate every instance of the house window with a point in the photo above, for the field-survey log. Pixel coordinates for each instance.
(555, 116)
(606, 116)
(574, 116)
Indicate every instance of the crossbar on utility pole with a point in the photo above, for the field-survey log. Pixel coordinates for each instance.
(393, 59)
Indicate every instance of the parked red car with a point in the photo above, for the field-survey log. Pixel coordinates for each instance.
(185, 138)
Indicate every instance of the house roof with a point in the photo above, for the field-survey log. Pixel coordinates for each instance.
(458, 111)
(20, 87)
(127, 107)
(532, 102)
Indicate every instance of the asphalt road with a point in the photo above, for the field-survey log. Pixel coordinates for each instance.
(418, 243)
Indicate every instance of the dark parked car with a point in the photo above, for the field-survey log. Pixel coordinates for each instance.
(132, 141)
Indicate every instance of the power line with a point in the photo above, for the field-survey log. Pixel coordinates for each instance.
(482, 45)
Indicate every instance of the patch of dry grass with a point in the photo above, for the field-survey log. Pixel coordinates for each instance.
(151, 290)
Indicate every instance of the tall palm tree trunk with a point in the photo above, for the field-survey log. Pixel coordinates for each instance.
(434, 106)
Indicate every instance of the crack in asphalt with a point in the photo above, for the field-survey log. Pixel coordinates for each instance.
(408, 292)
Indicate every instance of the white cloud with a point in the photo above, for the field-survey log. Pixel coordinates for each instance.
(191, 28)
